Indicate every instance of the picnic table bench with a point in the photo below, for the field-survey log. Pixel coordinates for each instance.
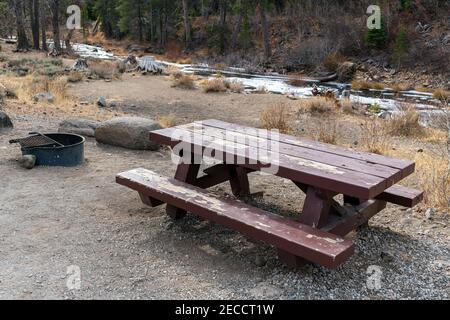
(367, 182)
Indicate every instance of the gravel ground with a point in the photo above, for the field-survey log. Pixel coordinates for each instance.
(55, 218)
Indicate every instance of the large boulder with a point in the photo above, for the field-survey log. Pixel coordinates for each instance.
(5, 121)
(84, 127)
(128, 132)
(346, 71)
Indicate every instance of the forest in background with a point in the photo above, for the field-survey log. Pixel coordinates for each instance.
(283, 35)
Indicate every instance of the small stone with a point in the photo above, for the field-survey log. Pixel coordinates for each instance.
(101, 102)
(28, 161)
(44, 96)
(429, 214)
(260, 261)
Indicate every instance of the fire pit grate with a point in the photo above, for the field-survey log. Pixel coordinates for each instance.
(38, 140)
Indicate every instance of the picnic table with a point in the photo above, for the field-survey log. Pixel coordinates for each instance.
(366, 181)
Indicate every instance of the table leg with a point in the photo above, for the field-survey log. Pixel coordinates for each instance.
(240, 185)
(355, 202)
(315, 212)
(186, 173)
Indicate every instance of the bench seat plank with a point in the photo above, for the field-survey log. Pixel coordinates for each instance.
(312, 244)
(402, 196)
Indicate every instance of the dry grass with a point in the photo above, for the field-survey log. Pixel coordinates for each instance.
(327, 132)
(104, 69)
(398, 87)
(349, 107)
(406, 124)
(367, 85)
(333, 61)
(375, 136)
(260, 90)
(215, 85)
(235, 86)
(276, 117)
(317, 106)
(442, 95)
(183, 81)
(75, 76)
(168, 121)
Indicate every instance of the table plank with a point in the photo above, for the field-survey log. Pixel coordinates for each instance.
(312, 173)
(407, 167)
(299, 152)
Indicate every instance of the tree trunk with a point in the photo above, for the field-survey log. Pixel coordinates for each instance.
(237, 27)
(266, 36)
(140, 27)
(34, 19)
(223, 25)
(187, 23)
(43, 29)
(22, 41)
(55, 25)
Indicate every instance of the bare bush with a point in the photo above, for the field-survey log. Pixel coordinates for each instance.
(327, 132)
(275, 117)
(375, 137)
(406, 124)
(215, 85)
(183, 81)
(317, 105)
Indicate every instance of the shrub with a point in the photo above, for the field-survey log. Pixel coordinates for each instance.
(333, 61)
(317, 105)
(375, 137)
(400, 45)
(406, 124)
(103, 69)
(215, 85)
(366, 85)
(275, 117)
(183, 81)
(376, 38)
(441, 95)
(75, 76)
(327, 132)
(236, 86)
(168, 121)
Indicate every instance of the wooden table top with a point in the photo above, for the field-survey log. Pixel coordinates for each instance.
(337, 169)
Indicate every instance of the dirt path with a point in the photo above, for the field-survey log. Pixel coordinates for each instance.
(54, 218)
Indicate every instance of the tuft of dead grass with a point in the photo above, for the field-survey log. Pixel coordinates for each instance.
(235, 86)
(106, 70)
(367, 85)
(442, 95)
(317, 106)
(406, 124)
(215, 85)
(75, 76)
(183, 81)
(327, 132)
(168, 121)
(375, 136)
(276, 117)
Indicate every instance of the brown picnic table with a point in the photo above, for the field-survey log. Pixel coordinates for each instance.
(367, 182)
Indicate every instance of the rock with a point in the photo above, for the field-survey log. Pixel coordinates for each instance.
(128, 132)
(84, 127)
(101, 102)
(260, 261)
(346, 94)
(429, 214)
(346, 71)
(28, 161)
(80, 65)
(44, 96)
(5, 121)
